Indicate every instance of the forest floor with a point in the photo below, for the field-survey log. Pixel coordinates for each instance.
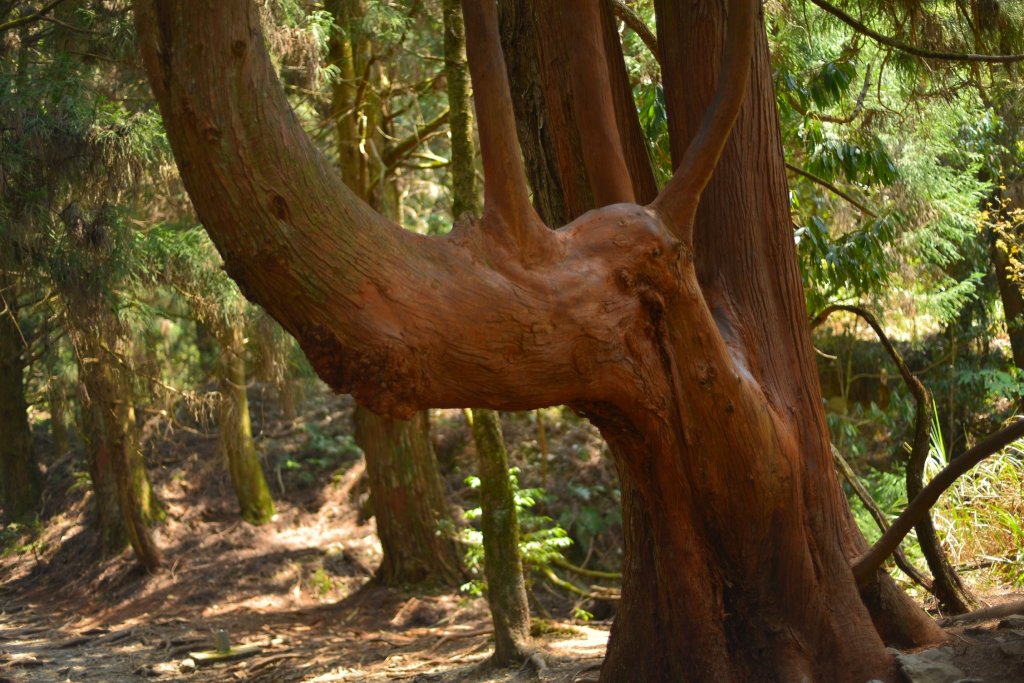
(300, 588)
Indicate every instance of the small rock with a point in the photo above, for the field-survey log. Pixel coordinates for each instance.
(187, 665)
(1015, 621)
(930, 666)
(1012, 647)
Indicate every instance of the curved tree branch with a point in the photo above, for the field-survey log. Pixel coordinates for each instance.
(863, 29)
(636, 24)
(506, 193)
(947, 586)
(677, 202)
(923, 502)
(832, 187)
(400, 320)
(29, 18)
(876, 514)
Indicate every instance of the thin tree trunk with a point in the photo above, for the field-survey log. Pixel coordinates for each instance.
(236, 444)
(125, 503)
(20, 481)
(503, 567)
(1013, 304)
(58, 403)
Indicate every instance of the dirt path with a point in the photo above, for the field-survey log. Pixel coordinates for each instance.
(373, 635)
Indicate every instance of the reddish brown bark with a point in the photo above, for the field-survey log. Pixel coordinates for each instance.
(691, 355)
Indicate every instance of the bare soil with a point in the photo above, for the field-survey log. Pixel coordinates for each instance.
(300, 588)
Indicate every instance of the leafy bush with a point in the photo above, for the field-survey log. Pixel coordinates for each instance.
(540, 540)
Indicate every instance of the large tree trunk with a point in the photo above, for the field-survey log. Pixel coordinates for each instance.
(685, 341)
(409, 504)
(235, 428)
(563, 186)
(20, 482)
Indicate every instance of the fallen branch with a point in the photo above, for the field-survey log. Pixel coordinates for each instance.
(596, 593)
(592, 573)
(996, 612)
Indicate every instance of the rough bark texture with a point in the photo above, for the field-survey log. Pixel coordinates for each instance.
(125, 504)
(692, 356)
(236, 444)
(637, 654)
(503, 567)
(415, 529)
(20, 482)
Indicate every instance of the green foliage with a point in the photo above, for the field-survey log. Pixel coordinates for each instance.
(540, 540)
(979, 517)
(320, 453)
(22, 538)
(650, 105)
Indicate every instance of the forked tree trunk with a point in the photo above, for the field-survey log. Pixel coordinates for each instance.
(503, 566)
(20, 482)
(235, 432)
(536, 34)
(415, 530)
(685, 341)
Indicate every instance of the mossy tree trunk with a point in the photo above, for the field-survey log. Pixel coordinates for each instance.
(235, 426)
(20, 481)
(503, 568)
(126, 507)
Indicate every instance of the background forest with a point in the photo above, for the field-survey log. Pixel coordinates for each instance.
(166, 449)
